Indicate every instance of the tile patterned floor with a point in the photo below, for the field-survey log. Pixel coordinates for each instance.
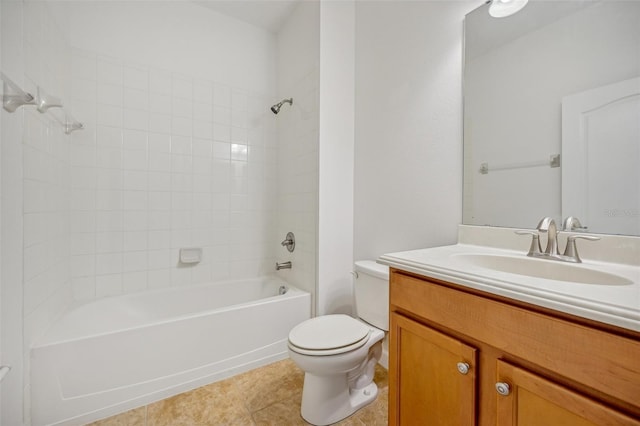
(269, 395)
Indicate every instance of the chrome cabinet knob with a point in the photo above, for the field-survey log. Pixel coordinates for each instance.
(503, 388)
(463, 367)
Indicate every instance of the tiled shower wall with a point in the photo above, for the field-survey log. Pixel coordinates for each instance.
(167, 161)
(45, 159)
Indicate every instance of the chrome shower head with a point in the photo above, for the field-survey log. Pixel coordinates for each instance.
(276, 108)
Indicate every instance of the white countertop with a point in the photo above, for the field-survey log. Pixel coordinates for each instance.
(611, 304)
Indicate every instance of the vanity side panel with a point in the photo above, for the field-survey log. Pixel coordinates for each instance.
(603, 364)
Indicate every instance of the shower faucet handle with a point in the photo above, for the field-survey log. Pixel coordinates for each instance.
(289, 242)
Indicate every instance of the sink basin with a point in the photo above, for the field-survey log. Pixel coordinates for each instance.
(543, 268)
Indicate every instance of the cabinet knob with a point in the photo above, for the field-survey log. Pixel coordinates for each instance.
(463, 367)
(503, 388)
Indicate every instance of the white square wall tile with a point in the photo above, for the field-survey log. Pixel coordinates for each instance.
(159, 142)
(135, 119)
(222, 115)
(158, 240)
(108, 242)
(134, 281)
(181, 126)
(182, 87)
(83, 265)
(134, 160)
(160, 104)
(108, 263)
(108, 136)
(108, 115)
(222, 95)
(182, 108)
(160, 82)
(136, 99)
(83, 243)
(107, 221)
(83, 65)
(203, 111)
(135, 241)
(84, 90)
(159, 200)
(160, 123)
(159, 161)
(109, 71)
(134, 180)
(135, 221)
(159, 182)
(159, 278)
(160, 259)
(84, 288)
(203, 92)
(135, 200)
(108, 285)
(108, 94)
(110, 178)
(134, 140)
(135, 261)
(136, 77)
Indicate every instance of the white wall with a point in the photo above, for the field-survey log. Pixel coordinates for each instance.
(336, 157)
(530, 128)
(408, 149)
(179, 147)
(297, 134)
(177, 36)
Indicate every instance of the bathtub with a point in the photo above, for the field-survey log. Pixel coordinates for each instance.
(110, 355)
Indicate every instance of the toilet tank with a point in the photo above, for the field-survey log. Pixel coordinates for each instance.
(372, 293)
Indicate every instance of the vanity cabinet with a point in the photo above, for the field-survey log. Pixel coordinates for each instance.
(463, 357)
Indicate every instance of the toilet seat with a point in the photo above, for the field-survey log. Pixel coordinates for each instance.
(328, 335)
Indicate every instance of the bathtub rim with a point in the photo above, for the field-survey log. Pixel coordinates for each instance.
(41, 342)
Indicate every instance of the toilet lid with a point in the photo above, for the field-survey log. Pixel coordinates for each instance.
(328, 332)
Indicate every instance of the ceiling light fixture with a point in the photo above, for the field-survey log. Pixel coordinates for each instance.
(503, 8)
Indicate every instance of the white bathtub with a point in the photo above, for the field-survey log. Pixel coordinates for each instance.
(114, 354)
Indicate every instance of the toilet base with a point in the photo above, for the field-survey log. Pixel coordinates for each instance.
(337, 400)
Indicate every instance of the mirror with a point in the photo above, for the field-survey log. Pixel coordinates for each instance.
(552, 116)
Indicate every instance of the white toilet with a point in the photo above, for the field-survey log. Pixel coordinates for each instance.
(339, 353)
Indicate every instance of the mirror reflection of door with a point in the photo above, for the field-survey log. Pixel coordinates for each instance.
(601, 152)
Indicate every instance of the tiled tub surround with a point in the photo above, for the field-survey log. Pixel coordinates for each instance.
(109, 355)
(268, 395)
(167, 161)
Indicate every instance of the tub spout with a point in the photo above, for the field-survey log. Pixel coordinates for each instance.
(283, 265)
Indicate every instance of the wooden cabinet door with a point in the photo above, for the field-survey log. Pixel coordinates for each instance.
(426, 386)
(535, 401)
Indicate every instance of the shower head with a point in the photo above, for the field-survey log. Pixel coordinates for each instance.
(276, 108)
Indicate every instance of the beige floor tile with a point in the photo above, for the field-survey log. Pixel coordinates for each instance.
(268, 396)
(265, 386)
(285, 413)
(375, 414)
(136, 417)
(215, 404)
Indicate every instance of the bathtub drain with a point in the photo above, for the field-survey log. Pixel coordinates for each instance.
(282, 290)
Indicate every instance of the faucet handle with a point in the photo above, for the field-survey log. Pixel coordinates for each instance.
(571, 250)
(535, 248)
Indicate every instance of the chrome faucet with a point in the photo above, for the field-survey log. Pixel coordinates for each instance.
(548, 226)
(283, 265)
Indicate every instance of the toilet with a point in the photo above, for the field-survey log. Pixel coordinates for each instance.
(338, 353)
